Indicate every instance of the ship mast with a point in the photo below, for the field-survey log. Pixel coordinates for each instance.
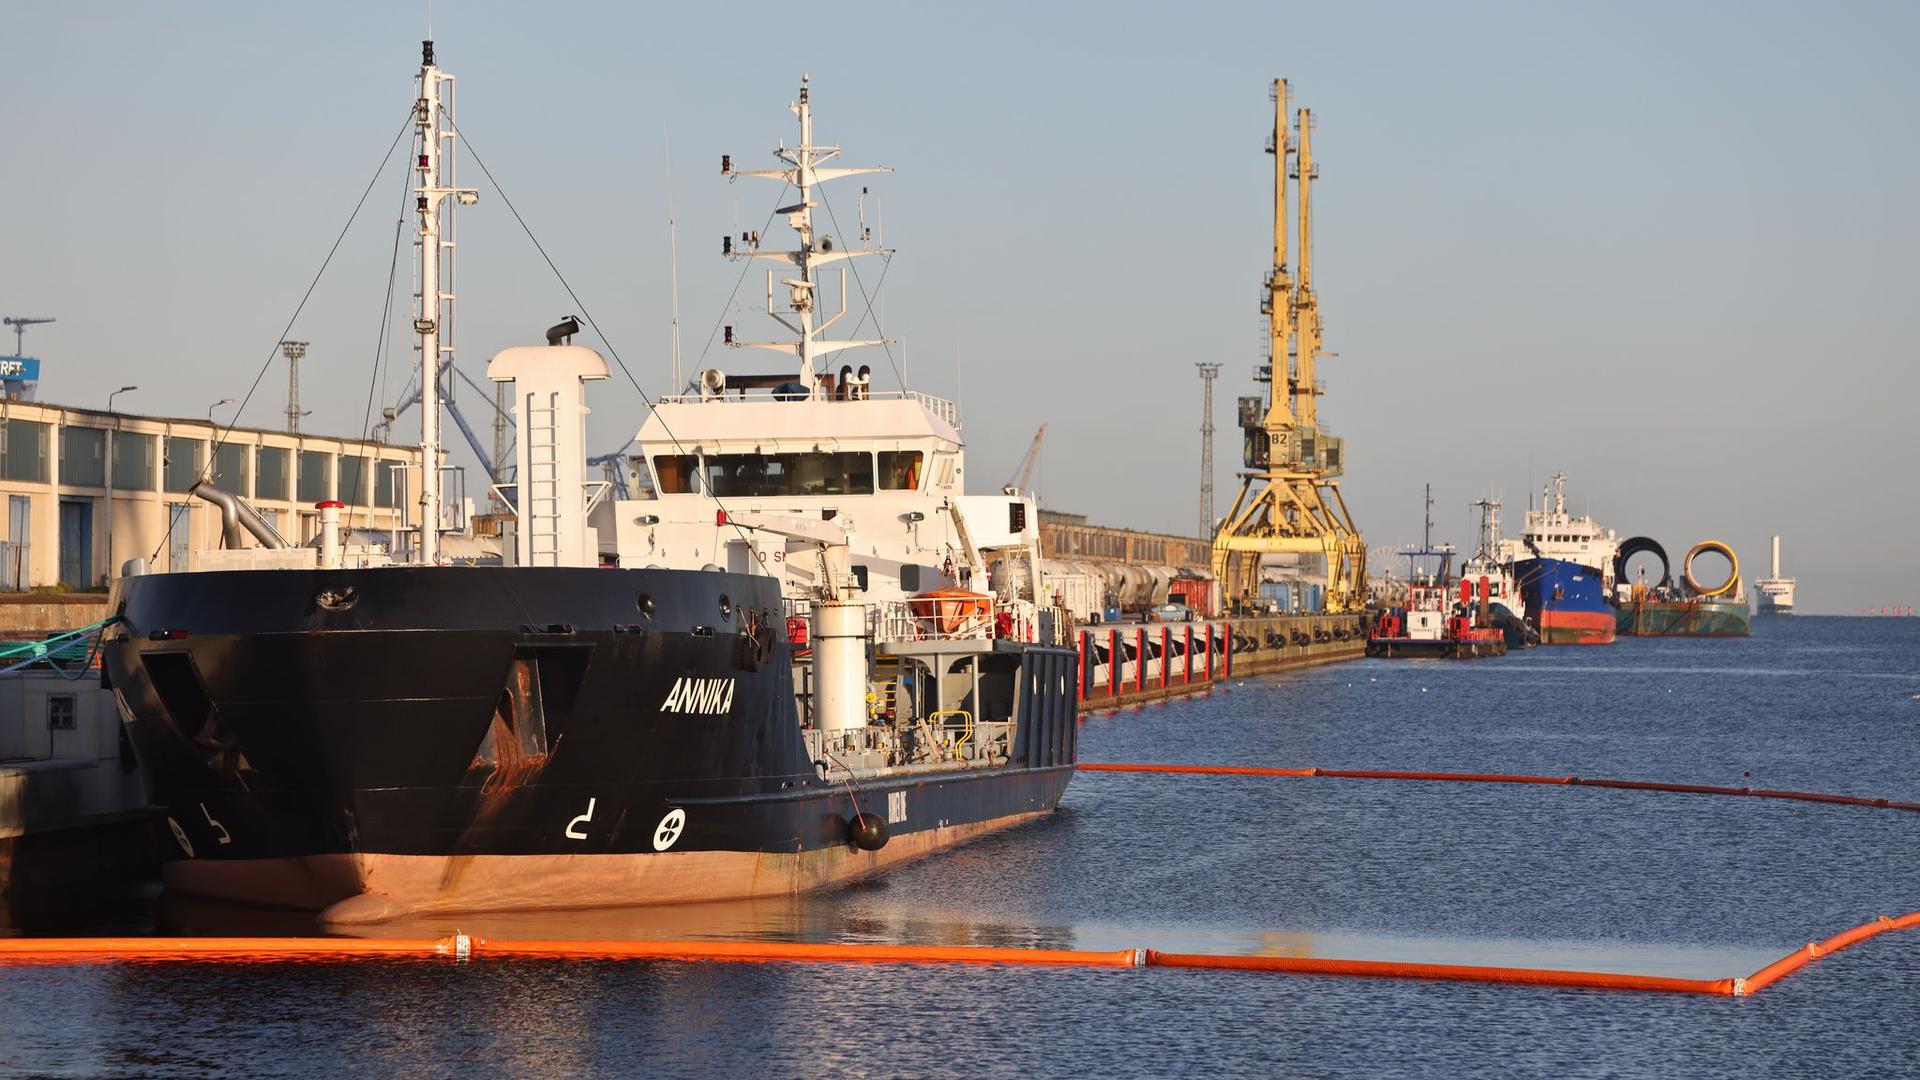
(803, 315)
(433, 313)
(1489, 526)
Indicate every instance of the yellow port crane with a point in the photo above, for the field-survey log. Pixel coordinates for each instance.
(1289, 500)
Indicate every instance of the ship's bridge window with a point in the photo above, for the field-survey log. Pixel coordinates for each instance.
(679, 473)
(789, 474)
(641, 480)
(899, 470)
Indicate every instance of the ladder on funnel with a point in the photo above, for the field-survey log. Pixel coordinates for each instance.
(541, 514)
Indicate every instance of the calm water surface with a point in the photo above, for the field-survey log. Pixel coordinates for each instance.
(1496, 874)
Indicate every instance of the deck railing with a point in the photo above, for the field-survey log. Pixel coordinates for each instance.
(939, 406)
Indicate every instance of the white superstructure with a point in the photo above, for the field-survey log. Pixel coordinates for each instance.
(843, 490)
(1552, 533)
(1776, 592)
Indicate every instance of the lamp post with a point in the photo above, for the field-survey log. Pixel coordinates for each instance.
(111, 457)
(215, 405)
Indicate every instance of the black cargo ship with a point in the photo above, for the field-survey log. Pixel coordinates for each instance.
(377, 732)
(500, 738)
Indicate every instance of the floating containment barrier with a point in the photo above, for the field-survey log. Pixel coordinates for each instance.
(1501, 778)
(39, 951)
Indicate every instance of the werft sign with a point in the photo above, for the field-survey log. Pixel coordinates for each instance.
(20, 368)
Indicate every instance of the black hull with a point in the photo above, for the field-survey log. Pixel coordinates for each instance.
(453, 715)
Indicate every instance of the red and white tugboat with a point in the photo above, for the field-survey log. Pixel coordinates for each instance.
(1434, 622)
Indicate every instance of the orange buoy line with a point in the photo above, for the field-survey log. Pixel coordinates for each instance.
(465, 946)
(1505, 778)
(1812, 951)
(1306, 965)
(40, 951)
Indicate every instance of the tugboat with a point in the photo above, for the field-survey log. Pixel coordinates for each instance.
(1564, 565)
(1487, 582)
(584, 713)
(1433, 623)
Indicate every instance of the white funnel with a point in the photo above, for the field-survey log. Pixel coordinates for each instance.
(550, 425)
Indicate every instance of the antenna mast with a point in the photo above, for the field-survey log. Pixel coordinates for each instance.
(802, 313)
(673, 259)
(1489, 526)
(433, 318)
(1207, 374)
(294, 351)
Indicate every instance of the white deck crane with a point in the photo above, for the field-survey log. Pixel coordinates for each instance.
(1024, 474)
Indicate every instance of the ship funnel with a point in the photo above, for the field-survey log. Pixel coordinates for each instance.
(550, 428)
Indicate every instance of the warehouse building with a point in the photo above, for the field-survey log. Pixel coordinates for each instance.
(84, 490)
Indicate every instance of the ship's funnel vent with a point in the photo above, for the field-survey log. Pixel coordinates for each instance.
(550, 425)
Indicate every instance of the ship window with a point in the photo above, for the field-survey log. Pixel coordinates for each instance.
(789, 474)
(899, 470)
(910, 577)
(60, 712)
(679, 473)
(641, 479)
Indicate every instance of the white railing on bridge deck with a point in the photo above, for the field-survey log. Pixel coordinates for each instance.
(939, 406)
(896, 621)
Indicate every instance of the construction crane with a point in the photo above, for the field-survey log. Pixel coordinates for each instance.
(20, 324)
(1024, 474)
(1289, 501)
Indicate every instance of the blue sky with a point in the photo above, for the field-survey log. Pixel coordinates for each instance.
(1663, 248)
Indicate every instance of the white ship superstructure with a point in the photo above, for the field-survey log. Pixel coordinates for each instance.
(1553, 533)
(1776, 592)
(834, 486)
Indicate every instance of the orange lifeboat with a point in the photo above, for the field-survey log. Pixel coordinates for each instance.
(948, 611)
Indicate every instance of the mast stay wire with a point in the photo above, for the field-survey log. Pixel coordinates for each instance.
(854, 265)
(382, 345)
(581, 306)
(206, 471)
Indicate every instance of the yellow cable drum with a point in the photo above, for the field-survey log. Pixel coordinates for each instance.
(1727, 587)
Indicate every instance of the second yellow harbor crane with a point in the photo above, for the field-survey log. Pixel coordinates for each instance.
(1289, 501)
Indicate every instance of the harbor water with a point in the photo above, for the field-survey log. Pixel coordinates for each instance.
(1565, 877)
